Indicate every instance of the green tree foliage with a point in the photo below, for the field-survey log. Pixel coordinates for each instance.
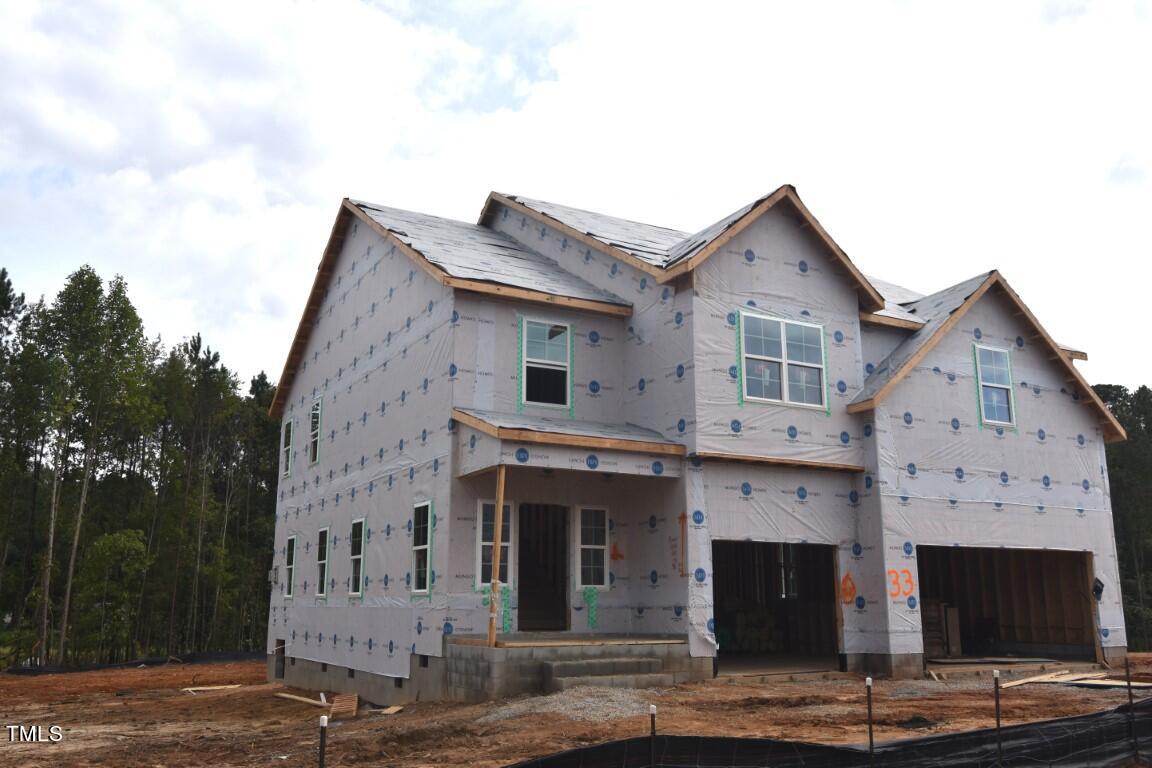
(1130, 475)
(136, 485)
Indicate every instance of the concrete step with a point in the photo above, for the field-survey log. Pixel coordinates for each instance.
(652, 680)
(623, 665)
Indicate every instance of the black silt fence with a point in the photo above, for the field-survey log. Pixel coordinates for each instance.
(1103, 739)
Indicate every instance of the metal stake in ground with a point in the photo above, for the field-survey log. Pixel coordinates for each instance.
(871, 742)
(1131, 709)
(652, 737)
(999, 742)
(323, 737)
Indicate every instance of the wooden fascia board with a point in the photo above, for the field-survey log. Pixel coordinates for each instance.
(311, 309)
(575, 234)
(539, 297)
(722, 239)
(495, 289)
(1113, 430)
(1074, 354)
(871, 318)
(927, 347)
(564, 439)
(870, 298)
(779, 461)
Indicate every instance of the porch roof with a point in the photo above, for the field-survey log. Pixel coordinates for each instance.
(568, 432)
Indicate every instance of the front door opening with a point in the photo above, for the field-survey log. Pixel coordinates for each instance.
(774, 603)
(542, 568)
(1005, 602)
(279, 670)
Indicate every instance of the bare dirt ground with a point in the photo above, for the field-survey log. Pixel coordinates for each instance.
(140, 717)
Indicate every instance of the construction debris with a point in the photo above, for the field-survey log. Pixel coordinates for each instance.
(344, 705)
(197, 688)
(386, 710)
(301, 699)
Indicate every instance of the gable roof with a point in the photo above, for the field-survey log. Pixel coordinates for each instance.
(457, 255)
(941, 312)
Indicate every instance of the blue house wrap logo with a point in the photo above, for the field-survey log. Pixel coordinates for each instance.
(640, 385)
(698, 517)
(592, 462)
(594, 337)
(657, 467)
(912, 469)
(1085, 485)
(977, 333)
(838, 336)
(857, 550)
(735, 426)
(732, 372)
(955, 423)
(652, 521)
(643, 283)
(912, 602)
(869, 368)
(680, 371)
(665, 294)
(802, 266)
(907, 417)
(455, 316)
(860, 602)
(521, 455)
(867, 430)
(653, 577)
(1041, 435)
(959, 473)
(792, 432)
(712, 626)
(681, 426)
(908, 548)
(746, 489)
(845, 437)
(731, 318)
(678, 318)
(1047, 481)
(1004, 478)
(593, 386)
(853, 497)
(749, 256)
(801, 493)
(1079, 439)
(700, 575)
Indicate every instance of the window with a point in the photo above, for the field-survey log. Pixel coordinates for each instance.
(593, 547)
(545, 374)
(289, 565)
(314, 433)
(783, 361)
(356, 548)
(484, 541)
(286, 449)
(421, 536)
(994, 374)
(322, 563)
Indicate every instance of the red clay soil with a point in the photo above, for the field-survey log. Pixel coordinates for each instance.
(140, 717)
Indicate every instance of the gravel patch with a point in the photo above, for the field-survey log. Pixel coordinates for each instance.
(589, 703)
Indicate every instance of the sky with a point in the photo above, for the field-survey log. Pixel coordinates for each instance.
(201, 150)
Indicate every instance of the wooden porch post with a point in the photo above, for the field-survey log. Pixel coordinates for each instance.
(494, 598)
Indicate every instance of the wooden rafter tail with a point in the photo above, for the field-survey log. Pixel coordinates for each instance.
(871, 318)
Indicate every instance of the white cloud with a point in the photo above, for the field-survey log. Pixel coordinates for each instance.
(202, 150)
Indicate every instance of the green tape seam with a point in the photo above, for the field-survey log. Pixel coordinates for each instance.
(571, 370)
(739, 358)
(591, 604)
(827, 386)
(506, 608)
(979, 394)
(520, 363)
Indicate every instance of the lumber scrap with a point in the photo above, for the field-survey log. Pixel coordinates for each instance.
(198, 688)
(387, 710)
(1107, 684)
(301, 699)
(344, 705)
(1034, 679)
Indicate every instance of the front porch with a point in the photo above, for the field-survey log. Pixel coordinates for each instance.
(546, 662)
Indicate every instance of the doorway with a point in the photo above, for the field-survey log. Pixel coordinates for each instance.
(279, 667)
(775, 606)
(542, 570)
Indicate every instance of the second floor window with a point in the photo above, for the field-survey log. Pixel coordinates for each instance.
(546, 363)
(286, 449)
(994, 374)
(314, 433)
(783, 360)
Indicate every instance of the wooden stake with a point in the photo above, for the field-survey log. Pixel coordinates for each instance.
(494, 598)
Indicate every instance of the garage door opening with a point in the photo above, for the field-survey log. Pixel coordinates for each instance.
(774, 607)
(979, 602)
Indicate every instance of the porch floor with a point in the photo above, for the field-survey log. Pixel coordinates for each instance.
(752, 665)
(564, 639)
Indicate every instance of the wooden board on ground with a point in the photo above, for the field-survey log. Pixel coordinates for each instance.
(198, 688)
(344, 706)
(387, 710)
(1051, 676)
(301, 699)
(1106, 684)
